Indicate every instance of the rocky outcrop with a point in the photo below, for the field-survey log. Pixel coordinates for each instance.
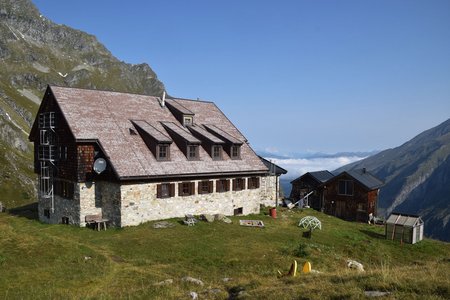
(35, 52)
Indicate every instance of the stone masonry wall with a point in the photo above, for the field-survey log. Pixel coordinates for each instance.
(100, 197)
(63, 207)
(140, 204)
(269, 190)
(132, 204)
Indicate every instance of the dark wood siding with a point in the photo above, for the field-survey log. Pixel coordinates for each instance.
(302, 186)
(85, 158)
(353, 207)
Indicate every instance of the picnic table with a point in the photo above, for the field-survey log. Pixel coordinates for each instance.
(97, 221)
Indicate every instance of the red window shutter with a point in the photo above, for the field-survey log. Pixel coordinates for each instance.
(234, 184)
(210, 183)
(158, 191)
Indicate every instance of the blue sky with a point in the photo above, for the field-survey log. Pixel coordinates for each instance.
(294, 76)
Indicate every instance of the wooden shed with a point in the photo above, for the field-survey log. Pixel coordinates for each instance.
(404, 228)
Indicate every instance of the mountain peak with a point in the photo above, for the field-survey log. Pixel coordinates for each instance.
(35, 52)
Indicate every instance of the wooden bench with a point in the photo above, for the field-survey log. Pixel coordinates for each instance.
(97, 221)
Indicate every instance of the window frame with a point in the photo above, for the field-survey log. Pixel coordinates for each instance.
(222, 185)
(237, 149)
(196, 152)
(161, 191)
(64, 189)
(159, 151)
(346, 187)
(219, 154)
(253, 183)
(238, 184)
(205, 187)
(188, 121)
(186, 188)
(62, 152)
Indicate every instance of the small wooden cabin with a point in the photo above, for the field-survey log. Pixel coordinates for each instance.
(404, 228)
(352, 195)
(310, 182)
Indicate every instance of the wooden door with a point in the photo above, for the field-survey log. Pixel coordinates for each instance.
(340, 209)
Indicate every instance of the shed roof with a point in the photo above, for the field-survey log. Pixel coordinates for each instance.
(176, 104)
(206, 134)
(404, 220)
(184, 134)
(106, 117)
(223, 135)
(152, 131)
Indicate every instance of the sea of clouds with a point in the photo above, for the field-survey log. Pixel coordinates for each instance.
(299, 166)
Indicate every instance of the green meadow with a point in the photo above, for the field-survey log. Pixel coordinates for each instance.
(40, 261)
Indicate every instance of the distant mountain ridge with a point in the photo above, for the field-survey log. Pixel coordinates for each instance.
(35, 52)
(417, 178)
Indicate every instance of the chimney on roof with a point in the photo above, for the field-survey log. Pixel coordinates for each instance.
(163, 100)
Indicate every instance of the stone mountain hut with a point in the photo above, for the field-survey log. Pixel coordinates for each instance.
(136, 158)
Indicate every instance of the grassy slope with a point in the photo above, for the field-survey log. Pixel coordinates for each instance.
(48, 261)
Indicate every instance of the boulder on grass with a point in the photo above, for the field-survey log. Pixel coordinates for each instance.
(208, 218)
(192, 280)
(353, 264)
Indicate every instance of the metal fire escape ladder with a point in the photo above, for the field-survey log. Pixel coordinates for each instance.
(47, 156)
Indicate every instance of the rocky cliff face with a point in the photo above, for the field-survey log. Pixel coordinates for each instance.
(35, 52)
(417, 177)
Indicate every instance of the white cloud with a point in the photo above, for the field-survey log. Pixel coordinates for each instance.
(299, 166)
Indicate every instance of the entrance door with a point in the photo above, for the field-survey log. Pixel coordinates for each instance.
(340, 209)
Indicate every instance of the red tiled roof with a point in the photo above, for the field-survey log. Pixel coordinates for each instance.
(106, 117)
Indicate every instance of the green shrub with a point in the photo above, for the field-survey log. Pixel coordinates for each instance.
(302, 250)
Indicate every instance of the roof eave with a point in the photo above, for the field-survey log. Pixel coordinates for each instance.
(196, 175)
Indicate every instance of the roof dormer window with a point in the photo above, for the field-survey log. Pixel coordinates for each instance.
(192, 152)
(216, 152)
(188, 121)
(163, 152)
(232, 144)
(235, 152)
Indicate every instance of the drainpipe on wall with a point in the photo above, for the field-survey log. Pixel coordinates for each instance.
(276, 191)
